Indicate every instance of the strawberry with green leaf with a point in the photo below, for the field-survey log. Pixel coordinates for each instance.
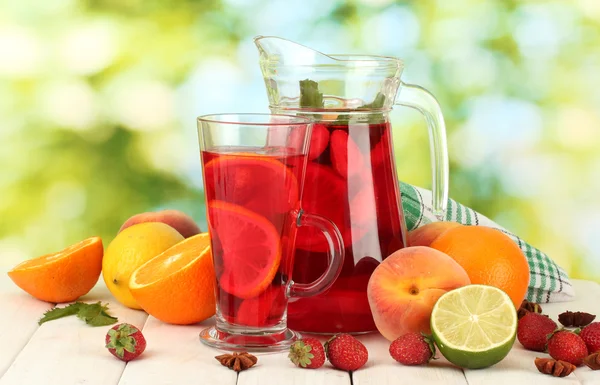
(125, 342)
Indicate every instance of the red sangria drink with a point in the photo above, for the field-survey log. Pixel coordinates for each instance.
(350, 178)
(253, 167)
(251, 197)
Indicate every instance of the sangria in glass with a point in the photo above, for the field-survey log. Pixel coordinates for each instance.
(253, 169)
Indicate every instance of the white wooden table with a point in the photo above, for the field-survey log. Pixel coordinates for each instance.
(67, 351)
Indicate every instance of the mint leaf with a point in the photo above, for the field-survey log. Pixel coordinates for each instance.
(94, 314)
(89, 311)
(102, 319)
(60, 312)
(310, 97)
(377, 103)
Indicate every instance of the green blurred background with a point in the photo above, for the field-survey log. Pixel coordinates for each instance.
(98, 100)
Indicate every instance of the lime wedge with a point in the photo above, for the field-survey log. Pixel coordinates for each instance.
(474, 326)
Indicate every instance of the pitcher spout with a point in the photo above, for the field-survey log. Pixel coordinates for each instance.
(279, 51)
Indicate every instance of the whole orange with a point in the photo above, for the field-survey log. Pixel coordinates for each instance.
(489, 257)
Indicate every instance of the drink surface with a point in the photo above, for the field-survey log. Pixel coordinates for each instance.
(350, 179)
(252, 198)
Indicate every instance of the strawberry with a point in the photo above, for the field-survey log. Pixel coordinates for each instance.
(346, 158)
(346, 352)
(533, 330)
(412, 349)
(307, 353)
(125, 342)
(567, 346)
(591, 336)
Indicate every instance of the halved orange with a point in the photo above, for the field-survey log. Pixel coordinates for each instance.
(248, 249)
(260, 183)
(177, 286)
(63, 276)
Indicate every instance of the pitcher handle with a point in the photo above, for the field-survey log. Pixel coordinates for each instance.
(420, 99)
(335, 253)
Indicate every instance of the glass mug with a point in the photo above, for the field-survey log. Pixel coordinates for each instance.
(253, 168)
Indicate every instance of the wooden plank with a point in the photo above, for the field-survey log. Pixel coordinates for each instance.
(276, 369)
(67, 351)
(18, 322)
(384, 370)
(175, 355)
(516, 369)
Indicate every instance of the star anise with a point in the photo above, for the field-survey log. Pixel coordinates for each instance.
(528, 307)
(237, 361)
(553, 367)
(575, 319)
(593, 361)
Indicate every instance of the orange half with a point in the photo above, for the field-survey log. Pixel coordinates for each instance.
(177, 286)
(63, 276)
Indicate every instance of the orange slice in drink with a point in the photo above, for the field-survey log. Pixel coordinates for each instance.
(63, 276)
(260, 183)
(177, 286)
(249, 249)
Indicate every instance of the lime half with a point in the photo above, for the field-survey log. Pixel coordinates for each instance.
(474, 326)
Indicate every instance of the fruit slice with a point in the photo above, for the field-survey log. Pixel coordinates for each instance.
(258, 311)
(249, 248)
(63, 276)
(177, 286)
(246, 176)
(346, 158)
(319, 140)
(325, 194)
(474, 326)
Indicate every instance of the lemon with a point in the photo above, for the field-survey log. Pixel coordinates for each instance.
(474, 326)
(130, 249)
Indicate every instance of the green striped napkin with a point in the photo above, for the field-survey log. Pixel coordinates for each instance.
(548, 281)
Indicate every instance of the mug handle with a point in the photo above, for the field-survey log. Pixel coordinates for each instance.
(420, 99)
(335, 254)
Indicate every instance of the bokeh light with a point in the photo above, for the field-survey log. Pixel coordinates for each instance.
(98, 102)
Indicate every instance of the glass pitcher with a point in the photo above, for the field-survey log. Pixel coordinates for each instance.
(351, 173)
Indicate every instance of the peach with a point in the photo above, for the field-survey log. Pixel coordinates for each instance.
(404, 287)
(181, 222)
(425, 235)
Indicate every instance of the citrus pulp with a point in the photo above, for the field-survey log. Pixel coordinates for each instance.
(474, 326)
(63, 276)
(177, 286)
(248, 249)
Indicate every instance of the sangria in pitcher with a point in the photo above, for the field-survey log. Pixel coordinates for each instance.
(351, 172)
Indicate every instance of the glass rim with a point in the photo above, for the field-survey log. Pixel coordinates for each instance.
(237, 118)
